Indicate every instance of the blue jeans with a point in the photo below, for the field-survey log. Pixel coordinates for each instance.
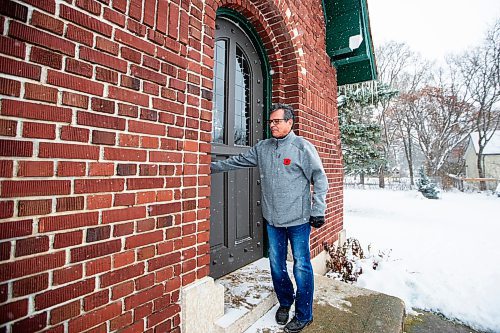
(302, 268)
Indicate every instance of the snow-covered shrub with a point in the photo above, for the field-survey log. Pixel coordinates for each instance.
(426, 186)
(346, 261)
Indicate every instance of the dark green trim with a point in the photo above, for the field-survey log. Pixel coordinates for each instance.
(343, 19)
(243, 22)
(324, 11)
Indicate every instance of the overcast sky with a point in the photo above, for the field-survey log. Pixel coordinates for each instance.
(432, 27)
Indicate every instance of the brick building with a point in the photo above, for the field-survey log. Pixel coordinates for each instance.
(111, 112)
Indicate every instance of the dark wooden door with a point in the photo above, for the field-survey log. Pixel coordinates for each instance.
(236, 224)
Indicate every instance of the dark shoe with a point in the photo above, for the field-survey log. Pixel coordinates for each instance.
(295, 325)
(282, 315)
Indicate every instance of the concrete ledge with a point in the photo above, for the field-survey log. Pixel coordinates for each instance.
(319, 263)
(202, 303)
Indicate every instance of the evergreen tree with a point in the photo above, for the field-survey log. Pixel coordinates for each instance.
(426, 186)
(359, 148)
(359, 132)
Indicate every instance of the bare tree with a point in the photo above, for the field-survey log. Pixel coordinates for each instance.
(479, 70)
(392, 59)
(441, 121)
(401, 112)
(403, 71)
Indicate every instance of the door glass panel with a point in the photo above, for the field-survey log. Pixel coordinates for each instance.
(219, 110)
(242, 100)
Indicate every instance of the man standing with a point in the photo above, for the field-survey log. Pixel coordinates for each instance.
(288, 165)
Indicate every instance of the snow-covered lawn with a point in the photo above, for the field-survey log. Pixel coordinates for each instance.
(444, 254)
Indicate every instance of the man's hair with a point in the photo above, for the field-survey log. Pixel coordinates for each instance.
(287, 108)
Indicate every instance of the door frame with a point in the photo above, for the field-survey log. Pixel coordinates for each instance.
(247, 27)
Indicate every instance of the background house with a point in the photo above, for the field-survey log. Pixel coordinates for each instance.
(111, 112)
(491, 158)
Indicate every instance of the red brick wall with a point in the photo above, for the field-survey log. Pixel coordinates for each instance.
(105, 133)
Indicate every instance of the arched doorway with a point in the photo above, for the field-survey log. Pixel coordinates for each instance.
(236, 224)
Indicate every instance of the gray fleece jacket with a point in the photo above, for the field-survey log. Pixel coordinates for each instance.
(287, 167)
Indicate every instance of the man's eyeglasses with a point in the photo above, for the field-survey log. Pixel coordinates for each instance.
(275, 121)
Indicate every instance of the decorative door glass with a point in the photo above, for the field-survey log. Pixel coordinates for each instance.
(242, 99)
(219, 107)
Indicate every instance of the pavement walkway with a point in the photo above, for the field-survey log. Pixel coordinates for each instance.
(427, 322)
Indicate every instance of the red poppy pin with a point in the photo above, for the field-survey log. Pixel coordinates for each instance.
(287, 161)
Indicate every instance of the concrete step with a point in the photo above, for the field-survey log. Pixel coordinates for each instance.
(248, 296)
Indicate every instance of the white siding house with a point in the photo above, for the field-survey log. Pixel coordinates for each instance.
(491, 157)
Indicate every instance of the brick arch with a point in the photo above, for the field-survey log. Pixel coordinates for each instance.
(275, 34)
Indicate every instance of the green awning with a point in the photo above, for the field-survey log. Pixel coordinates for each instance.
(348, 40)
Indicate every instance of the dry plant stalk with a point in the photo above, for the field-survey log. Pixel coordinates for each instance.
(342, 259)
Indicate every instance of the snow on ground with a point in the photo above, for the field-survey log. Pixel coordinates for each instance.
(444, 254)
